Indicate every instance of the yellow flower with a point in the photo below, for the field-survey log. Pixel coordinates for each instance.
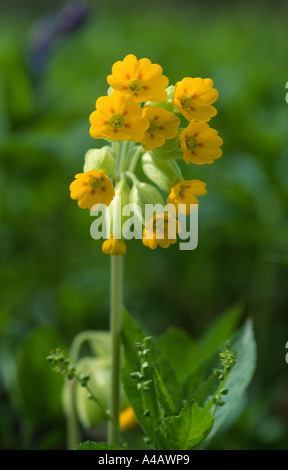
(163, 125)
(193, 98)
(114, 246)
(92, 187)
(118, 117)
(127, 419)
(161, 230)
(139, 78)
(200, 143)
(185, 192)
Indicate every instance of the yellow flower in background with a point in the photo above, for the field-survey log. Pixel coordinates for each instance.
(139, 78)
(163, 125)
(127, 419)
(200, 143)
(92, 187)
(113, 246)
(161, 230)
(185, 192)
(193, 98)
(118, 117)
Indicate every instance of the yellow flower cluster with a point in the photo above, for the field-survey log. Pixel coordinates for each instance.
(120, 116)
(141, 111)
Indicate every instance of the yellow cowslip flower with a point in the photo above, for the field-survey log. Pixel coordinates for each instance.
(185, 192)
(161, 230)
(193, 98)
(200, 143)
(118, 117)
(114, 246)
(127, 419)
(163, 125)
(139, 78)
(92, 187)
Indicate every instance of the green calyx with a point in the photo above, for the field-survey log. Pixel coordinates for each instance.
(185, 101)
(95, 182)
(153, 126)
(191, 143)
(134, 85)
(116, 121)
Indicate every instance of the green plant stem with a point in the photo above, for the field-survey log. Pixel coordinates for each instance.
(115, 329)
(135, 158)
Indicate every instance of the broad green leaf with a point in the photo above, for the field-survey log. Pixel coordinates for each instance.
(140, 401)
(90, 445)
(185, 353)
(154, 399)
(221, 329)
(187, 430)
(240, 376)
(180, 349)
(164, 398)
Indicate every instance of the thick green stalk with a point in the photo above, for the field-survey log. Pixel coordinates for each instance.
(116, 303)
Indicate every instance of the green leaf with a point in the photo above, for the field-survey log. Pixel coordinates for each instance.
(220, 330)
(140, 401)
(240, 376)
(185, 354)
(90, 445)
(180, 349)
(163, 385)
(164, 398)
(186, 431)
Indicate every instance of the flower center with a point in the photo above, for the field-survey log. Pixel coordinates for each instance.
(95, 182)
(191, 143)
(181, 190)
(185, 101)
(153, 126)
(116, 121)
(134, 85)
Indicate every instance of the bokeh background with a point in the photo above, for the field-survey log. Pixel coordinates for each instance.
(54, 59)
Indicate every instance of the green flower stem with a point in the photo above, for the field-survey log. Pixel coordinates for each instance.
(125, 152)
(135, 158)
(115, 328)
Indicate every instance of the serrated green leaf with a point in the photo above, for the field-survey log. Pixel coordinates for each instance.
(90, 445)
(187, 430)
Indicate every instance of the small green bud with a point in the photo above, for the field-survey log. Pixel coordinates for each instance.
(145, 365)
(137, 375)
(147, 339)
(146, 352)
(99, 159)
(146, 413)
(224, 391)
(146, 385)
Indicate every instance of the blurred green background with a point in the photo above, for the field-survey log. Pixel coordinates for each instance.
(54, 59)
